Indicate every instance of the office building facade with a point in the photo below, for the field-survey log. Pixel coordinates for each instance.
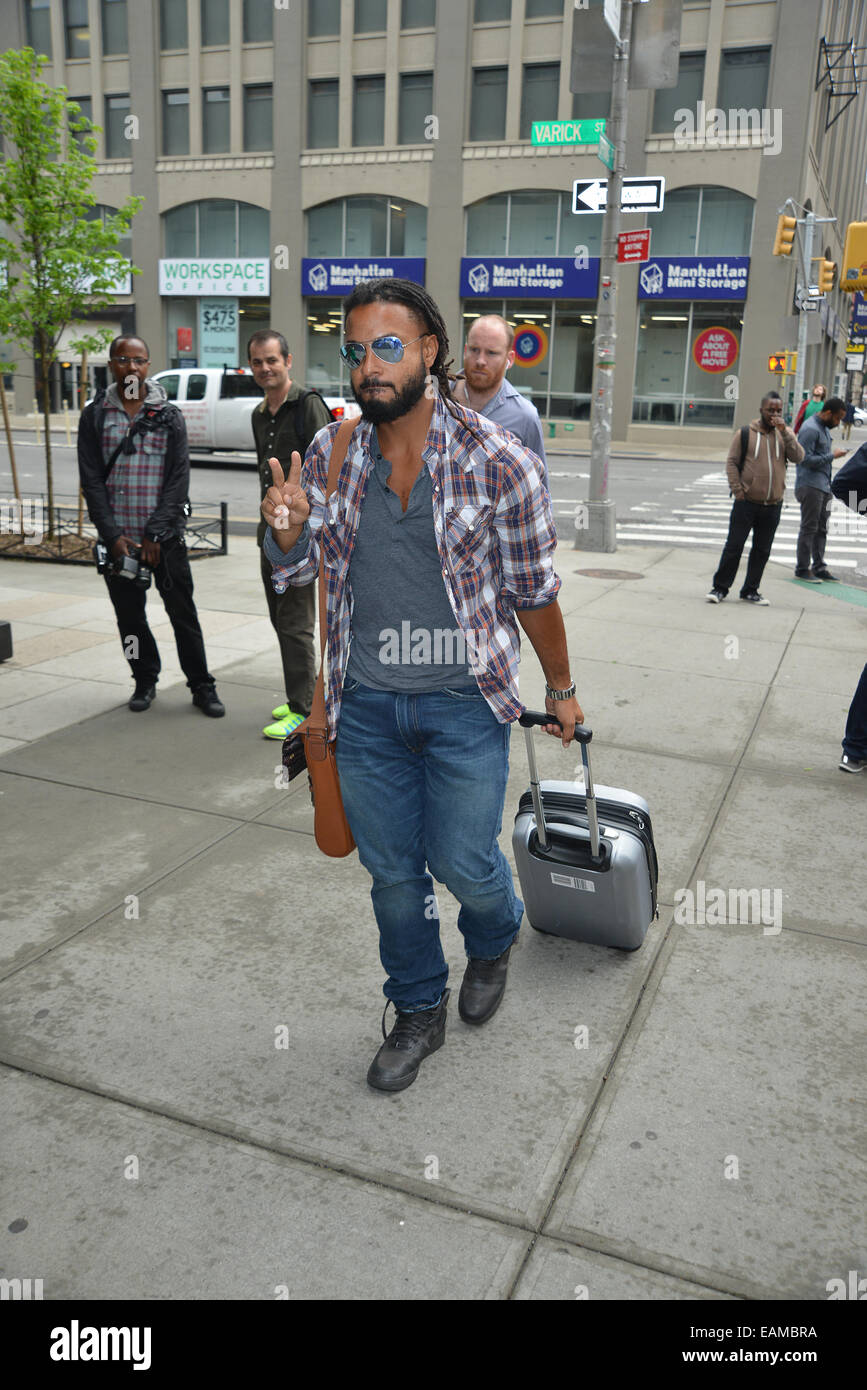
(285, 150)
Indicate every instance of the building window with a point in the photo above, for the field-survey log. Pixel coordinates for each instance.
(258, 118)
(492, 11)
(591, 106)
(323, 19)
(86, 104)
(176, 123)
(686, 95)
(743, 78)
(215, 23)
(116, 112)
(368, 111)
(38, 17)
(173, 24)
(77, 31)
(114, 37)
(415, 105)
(374, 226)
(418, 14)
(216, 227)
(370, 16)
(488, 104)
(703, 222)
(544, 9)
(322, 115)
(325, 371)
(258, 21)
(216, 133)
(539, 95)
(531, 222)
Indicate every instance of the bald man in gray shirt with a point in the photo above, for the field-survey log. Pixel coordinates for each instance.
(488, 354)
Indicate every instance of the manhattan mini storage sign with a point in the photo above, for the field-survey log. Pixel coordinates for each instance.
(694, 277)
(542, 277)
(338, 275)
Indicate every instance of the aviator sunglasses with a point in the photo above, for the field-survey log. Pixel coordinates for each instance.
(387, 349)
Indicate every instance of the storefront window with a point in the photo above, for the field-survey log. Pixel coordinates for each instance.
(557, 350)
(687, 353)
(324, 336)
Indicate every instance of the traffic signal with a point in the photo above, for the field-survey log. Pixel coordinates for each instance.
(785, 235)
(777, 363)
(827, 275)
(854, 275)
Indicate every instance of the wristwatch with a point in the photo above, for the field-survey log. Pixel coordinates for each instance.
(560, 694)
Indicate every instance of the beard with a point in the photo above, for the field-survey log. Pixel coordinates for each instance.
(395, 403)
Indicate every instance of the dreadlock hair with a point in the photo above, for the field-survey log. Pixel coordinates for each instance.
(392, 290)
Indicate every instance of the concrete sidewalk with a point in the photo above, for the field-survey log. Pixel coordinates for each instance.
(190, 994)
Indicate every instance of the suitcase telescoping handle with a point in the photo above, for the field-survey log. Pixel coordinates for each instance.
(531, 719)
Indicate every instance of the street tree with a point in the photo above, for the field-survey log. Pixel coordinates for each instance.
(61, 261)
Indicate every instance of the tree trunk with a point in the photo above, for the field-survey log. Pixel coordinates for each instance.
(82, 397)
(10, 445)
(46, 414)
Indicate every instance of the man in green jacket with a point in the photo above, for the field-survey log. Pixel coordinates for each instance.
(286, 421)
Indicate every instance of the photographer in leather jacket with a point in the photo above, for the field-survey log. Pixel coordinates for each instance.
(134, 466)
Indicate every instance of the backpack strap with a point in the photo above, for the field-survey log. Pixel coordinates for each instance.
(298, 417)
(745, 444)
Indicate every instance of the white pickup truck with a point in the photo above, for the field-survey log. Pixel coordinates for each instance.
(217, 405)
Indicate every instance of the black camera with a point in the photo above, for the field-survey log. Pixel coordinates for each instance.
(130, 567)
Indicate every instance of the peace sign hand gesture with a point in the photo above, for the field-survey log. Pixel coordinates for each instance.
(285, 506)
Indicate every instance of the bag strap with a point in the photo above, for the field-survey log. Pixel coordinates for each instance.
(317, 718)
(745, 440)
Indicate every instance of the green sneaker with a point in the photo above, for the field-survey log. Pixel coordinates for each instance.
(281, 712)
(284, 727)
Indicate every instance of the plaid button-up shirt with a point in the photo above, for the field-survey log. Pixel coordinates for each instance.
(136, 480)
(494, 533)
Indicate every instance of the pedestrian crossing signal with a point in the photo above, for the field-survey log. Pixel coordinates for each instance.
(785, 235)
(777, 363)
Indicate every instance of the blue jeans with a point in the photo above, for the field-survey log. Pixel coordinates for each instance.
(423, 780)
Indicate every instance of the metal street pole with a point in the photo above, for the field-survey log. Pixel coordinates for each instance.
(806, 271)
(599, 532)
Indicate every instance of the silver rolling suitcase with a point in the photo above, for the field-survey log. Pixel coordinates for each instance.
(587, 864)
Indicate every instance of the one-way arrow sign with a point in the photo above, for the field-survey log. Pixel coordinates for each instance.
(645, 194)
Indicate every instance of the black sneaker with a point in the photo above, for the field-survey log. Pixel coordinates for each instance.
(142, 697)
(824, 573)
(483, 987)
(754, 597)
(205, 697)
(715, 596)
(807, 576)
(413, 1037)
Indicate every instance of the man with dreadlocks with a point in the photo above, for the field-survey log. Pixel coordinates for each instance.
(440, 528)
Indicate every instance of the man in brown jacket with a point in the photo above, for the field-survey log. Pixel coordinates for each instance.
(757, 478)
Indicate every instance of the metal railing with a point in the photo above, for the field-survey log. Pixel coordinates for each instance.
(207, 531)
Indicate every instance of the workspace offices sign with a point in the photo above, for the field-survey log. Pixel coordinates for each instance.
(228, 275)
(694, 277)
(528, 277)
